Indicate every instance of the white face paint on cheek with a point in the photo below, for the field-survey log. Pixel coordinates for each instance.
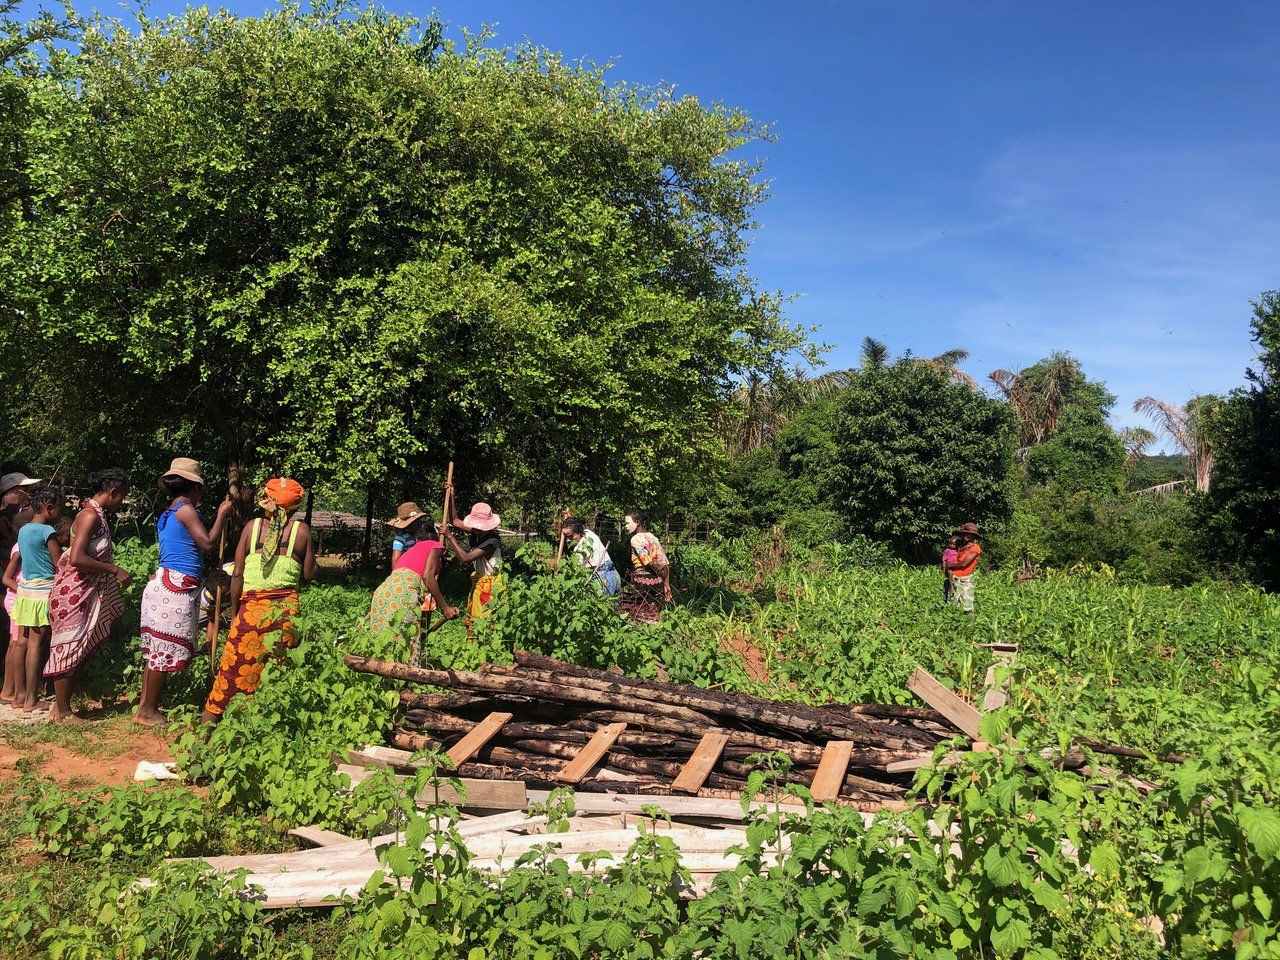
(631, 525)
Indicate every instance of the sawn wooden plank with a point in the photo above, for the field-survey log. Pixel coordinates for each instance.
(694, 773)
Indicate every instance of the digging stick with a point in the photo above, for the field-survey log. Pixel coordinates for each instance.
(445, 507)
(561, 517)
(215, 615)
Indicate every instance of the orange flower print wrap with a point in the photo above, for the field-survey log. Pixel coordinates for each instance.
(263, 625)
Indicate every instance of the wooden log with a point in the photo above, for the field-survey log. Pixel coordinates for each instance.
(578, 767)
(438, 722)
(1117, 750)
(694, 773)
(497, 683)
(831, 771)
(853, 782)
(792, 717)
(947, 702)
(467, 705)
(484, 731)
(887, 711)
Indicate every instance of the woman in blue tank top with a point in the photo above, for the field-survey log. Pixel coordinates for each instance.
(171, 601)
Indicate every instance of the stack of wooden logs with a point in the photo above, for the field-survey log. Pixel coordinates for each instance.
(551, 723)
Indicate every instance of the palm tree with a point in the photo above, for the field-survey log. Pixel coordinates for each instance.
(758, 408)
(1136, 440)
(1038, 395)
(1188, 427)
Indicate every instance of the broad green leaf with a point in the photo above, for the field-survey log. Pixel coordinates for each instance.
(1261, 827)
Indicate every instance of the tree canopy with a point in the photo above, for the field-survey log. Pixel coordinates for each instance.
(334, 244)
(919, 453)
(1240, 515)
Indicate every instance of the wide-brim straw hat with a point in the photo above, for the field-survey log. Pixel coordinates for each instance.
(481, 517)
(11, 481)
(968, 530)
(186, 468)
(406, 514)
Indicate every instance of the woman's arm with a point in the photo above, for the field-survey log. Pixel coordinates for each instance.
(11, 571)
(467, 556)
(431, 577)
(204, 539)
(237, 574)
(308, 547)
(81, 530)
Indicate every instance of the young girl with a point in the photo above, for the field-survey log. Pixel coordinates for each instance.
(39, 553)
(948, 558)
(86, 602)
(171, 600)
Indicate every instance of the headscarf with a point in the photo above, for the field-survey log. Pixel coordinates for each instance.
(280, 497)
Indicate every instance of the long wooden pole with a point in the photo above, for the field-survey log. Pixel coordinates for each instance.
(447, 510)
(561, 516)
(415, 649)
(215, 615)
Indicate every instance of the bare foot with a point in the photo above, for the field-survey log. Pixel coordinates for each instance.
(37, 706)
(150, 719)
(68, 718)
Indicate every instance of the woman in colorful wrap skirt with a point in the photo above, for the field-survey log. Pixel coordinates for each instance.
(398, 600)
(274, 556)
(86, 602)
(649, 588)
(171, 601)
(485, 553)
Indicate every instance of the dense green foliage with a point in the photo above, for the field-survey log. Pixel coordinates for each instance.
(918, 454)
(1042, 863)
(1242, 512)
(334, 244)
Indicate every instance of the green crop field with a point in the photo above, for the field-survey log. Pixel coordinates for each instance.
(1042, 863)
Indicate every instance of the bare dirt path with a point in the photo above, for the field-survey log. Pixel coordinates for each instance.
(105, 752)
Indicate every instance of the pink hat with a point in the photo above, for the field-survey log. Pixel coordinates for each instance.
(481, 517)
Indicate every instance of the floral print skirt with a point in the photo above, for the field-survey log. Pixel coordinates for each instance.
(263, 625)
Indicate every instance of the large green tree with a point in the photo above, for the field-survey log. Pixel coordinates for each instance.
(333, 244)
(1064, 436)
(1240, 516)
(918, 453)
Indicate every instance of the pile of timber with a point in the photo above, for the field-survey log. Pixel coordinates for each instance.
(550, 723)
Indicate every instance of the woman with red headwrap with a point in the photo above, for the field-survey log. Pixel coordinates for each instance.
(274, 556)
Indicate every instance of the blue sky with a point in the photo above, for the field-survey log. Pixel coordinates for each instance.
(1006, 176)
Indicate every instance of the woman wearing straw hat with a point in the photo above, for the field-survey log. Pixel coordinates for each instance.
(274, 555)
(485, 553)
(409, 523)
(398, 600)
(171, 600)
(964, 565)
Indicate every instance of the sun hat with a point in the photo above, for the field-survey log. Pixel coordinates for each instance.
(186, 468)
(406, 515)
(481, 517)
(969, 529)
(11, 480)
